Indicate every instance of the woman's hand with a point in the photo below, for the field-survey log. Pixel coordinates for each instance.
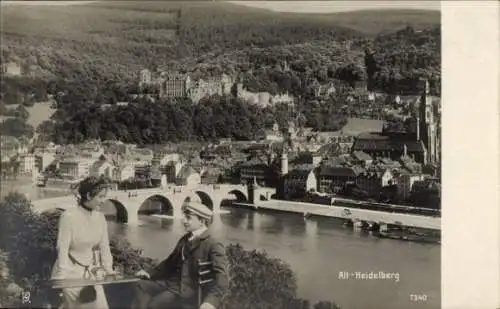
(99, 273)
(142, 274)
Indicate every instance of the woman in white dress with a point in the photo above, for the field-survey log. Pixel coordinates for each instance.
(82, 230)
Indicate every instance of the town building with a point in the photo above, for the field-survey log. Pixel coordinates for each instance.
(75, 167)
(123, 172)
(331, 143)
(145, 78)
(9, 146)
(362, 158)
(43, 160)
(219, 85)
(174, 85)
(91, 149)
(322, 91)
(27, 163)
(372, 180)
(298, 181)
(211, 176)
(260, 168)
(333, 178)
(162, 158)
(304, 157)
(11, 69)
(404, 181)
(263, 99)
(141, 156)
(378, 145)
(215, 153)
(188, 177)
(142, 169)
(102, 168)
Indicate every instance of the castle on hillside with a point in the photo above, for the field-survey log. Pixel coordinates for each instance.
(172, 85)
(262, 99)
(176, 85)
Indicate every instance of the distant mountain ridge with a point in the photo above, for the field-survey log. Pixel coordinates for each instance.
(108, 42)
(367, 22)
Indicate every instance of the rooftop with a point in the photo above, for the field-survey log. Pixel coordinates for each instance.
(372, 141)
(361, 155)
(355, 126)
(328, 170)
(185, 172)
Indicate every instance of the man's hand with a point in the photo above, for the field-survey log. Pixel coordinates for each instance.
(207, 306)
(142, 274)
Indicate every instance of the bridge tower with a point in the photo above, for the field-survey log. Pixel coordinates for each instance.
(284, 161)
(252, 191)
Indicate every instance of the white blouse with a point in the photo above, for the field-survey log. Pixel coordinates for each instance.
(79, 232)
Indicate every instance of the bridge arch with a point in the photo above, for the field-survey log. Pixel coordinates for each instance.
(240, 196)
(162, 206)
(205, 198)
(114, 207)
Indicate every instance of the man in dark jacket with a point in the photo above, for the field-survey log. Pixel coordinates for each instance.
(173, 284)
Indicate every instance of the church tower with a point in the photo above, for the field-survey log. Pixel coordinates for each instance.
(284, 161)
(145, 78)
(427, 128)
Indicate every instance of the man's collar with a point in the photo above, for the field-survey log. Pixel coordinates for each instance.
(199, 232)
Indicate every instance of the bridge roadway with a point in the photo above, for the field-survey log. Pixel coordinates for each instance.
(350, 213)
(127, 203)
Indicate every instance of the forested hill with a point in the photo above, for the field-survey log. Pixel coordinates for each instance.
(84, 54)
(135, 34)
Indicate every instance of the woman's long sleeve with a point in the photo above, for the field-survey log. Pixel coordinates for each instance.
(107, 258)
(63, 243)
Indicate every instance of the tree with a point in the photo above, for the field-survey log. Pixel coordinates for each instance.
(16, 127)
(9, 290)
(46, 130)
(22, 112)
(258, 281)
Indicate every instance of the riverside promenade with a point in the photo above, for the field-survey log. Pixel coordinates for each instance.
(348, 213)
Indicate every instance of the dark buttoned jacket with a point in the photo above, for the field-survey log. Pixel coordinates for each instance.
(180, 270)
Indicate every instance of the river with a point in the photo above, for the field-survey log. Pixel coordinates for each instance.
(317, 249)
(26, 186)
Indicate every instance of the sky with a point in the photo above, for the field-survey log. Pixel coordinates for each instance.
(45, 2)
(295, 6)
(338, 5)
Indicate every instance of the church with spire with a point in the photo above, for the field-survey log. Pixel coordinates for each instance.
(421, 142)
(427, 124)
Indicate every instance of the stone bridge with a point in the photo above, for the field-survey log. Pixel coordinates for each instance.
(128, 203)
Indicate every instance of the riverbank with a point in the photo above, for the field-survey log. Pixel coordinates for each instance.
(348, 213)
(26, 186)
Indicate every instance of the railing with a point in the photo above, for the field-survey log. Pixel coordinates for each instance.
(388, 207)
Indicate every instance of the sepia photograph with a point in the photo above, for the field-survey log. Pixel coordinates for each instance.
(220, 154)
